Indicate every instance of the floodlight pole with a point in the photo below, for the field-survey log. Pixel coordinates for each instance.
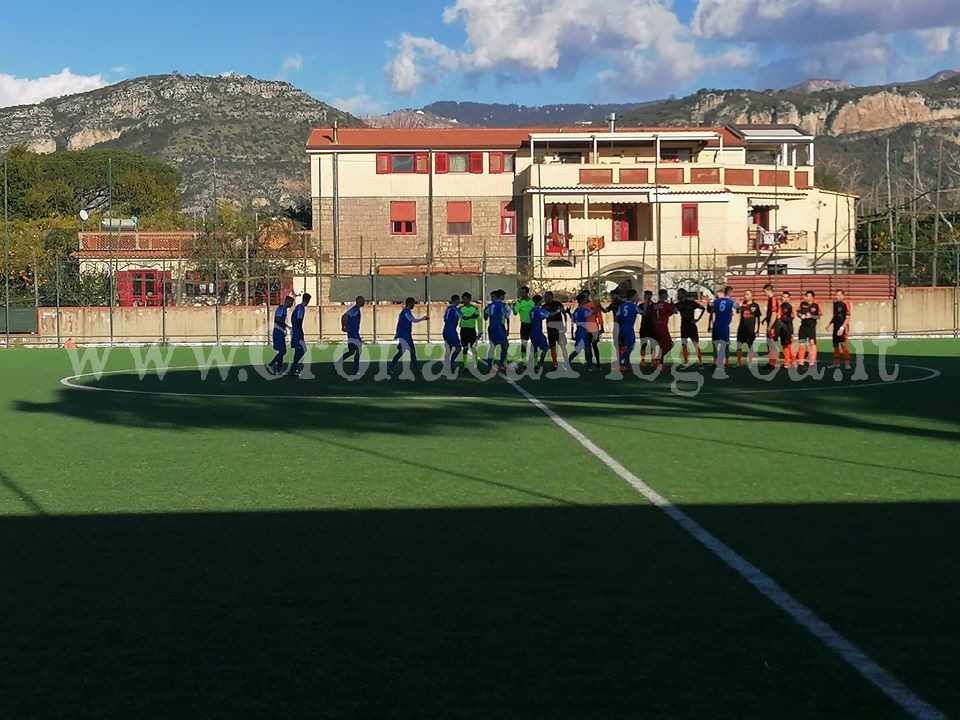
(6, 254)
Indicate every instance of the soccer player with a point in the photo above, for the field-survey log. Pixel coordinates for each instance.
(522, 308)
(690, 313)
(774, 326)
(497, 313)
(721, 315)
(809, 313)
(750, 315)
(627, 317)
(350, 324)
(404, 335)
(556, 328)
(612, 308)
(451, 339)
(647, 327)
(469, 327)
(581, 333)
(594, 325)
(841, 329)
(538, 340)
(275, 366)
(786, 329)
(297, 339)
(661, 311)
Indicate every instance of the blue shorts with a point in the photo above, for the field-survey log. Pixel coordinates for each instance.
(582, 337)
(721, 334)
(498, 338)
(628, 338)
(452, 339)
(539, 341)
(279, 340)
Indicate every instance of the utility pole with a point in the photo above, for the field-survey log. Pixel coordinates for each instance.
(6, 253)
(936, 219)
(113, 269)
(893, 248)
(913, 208)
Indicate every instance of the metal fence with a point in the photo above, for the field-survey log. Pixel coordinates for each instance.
(228, 300)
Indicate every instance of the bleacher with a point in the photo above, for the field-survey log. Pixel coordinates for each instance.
(857, 287)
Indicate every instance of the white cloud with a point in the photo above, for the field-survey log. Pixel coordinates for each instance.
(939, 41)
(642, 42)
(291, 64)
(804, 21)
(360, 104)
(121, 70)
(26, 91)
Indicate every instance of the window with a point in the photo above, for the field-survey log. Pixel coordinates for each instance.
(459, 218)
(689, 220)
(624, 223)
(403, 218)
(459, 162)
(570, 158)
(402, 163)
(501, 162)
(761, 217)
(676, 155)
(557, 229)
(196, 284)
(142, 288)
(508, 218)
(776, 269)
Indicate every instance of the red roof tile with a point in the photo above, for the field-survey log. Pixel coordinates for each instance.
(470, 138)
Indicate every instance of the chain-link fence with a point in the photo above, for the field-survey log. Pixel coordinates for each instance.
(231, 299)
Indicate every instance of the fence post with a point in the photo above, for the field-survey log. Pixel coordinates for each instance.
(374, 299)
(216, 295)
(6, 257)
(163, 301)
(426, 295)
(56, 265)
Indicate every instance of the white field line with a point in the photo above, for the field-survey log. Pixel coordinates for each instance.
(880, 678)
(70, 382)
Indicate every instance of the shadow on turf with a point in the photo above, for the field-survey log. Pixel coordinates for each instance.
(896, 408)
(587, 612)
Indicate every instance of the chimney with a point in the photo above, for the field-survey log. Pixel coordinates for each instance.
(336, 127)
(612, 122)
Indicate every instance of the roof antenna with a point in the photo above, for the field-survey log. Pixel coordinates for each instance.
(336, 127)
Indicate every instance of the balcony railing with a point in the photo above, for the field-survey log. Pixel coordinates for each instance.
(741, 177)
(764, 241)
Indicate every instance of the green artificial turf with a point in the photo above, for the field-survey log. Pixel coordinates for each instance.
(321, 548)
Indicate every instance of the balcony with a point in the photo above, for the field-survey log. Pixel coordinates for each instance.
(760, 240)
(737, 177)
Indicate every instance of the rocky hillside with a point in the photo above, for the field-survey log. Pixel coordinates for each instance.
(254, 130)
(409, 119)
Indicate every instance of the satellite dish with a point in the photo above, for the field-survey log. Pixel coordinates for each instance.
(84, 215)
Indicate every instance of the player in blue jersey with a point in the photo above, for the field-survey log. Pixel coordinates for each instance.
(404, 335)
(451, 335)
(539, 345)
(581, 334)
(627, 315)
(297, 338)
(275, 366)
(721, 315)
(497, 314)
(350, 324)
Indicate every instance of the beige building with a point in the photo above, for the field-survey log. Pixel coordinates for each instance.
(569, 205)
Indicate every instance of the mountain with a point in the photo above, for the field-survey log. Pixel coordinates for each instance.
(254, 129)
(409, 119)
(812, 86)
(493, 115)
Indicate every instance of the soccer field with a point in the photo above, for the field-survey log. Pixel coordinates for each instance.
(241, 546)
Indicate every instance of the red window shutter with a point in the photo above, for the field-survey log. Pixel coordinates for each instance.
(442, 163)
(125, 287)
(403, 211)
(459, 212)
(383, 164)
(476, 163)
(496, 163)
(421, 163)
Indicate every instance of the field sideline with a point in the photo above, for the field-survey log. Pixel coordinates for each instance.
(238, 545)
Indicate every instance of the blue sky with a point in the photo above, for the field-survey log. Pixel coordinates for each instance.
(378, 55)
